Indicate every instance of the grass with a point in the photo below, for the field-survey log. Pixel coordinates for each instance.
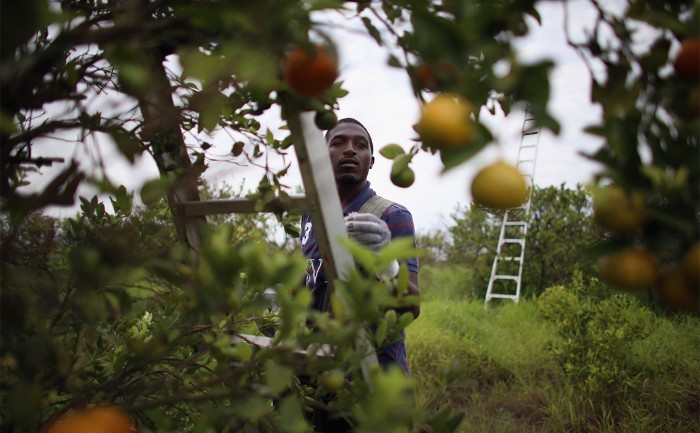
(493, 364)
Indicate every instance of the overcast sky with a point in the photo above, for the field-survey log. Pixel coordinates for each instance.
(381, 98)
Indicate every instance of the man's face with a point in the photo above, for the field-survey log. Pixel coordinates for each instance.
(350, 152)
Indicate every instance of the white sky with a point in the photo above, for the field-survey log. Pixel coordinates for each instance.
(381, 98)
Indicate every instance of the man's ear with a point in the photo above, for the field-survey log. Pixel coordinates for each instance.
(371, 162)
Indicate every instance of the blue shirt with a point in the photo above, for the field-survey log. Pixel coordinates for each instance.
(400, 222)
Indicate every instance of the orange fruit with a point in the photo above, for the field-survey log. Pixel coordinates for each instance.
(499, 186)
(445, 122)
(99, 419)
(618, 210)
(691, 265)
(310, 74)
(676, 291)
(425, 77)
(630, 268)
(687, 61)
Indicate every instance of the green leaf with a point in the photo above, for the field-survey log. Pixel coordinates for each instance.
(373, 31)
(291, 415)
(391, 151)
(399, 249)
(127, 144)
(278, 377)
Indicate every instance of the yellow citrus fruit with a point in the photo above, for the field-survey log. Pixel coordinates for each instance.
(100, 419)
(630, 268)
(310, 74)
(676, 291)
(499, 186)
(687, 61)
(691, 264)
(445, 122)
(619, 210)
(404, 178)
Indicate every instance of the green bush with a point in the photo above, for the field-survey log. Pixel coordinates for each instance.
(596, 337)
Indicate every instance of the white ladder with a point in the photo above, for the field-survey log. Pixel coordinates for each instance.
(507, 268)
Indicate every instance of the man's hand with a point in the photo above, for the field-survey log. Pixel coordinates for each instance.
(368, 230)
(373, 233)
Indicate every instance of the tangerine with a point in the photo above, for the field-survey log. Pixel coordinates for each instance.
(445, 122)
(499, 186)
(677, 292)
(310, 74)
(691, 264)
(617, 210)
(630, 268)
(687, 61)
(99, 419)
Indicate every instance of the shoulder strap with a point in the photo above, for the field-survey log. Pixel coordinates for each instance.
(376, 205)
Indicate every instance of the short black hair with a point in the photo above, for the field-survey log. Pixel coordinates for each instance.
(356, 122)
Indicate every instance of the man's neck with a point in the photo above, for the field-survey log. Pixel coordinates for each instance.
(349, 192)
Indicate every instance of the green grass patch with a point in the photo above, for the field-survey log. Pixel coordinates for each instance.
(502, 366)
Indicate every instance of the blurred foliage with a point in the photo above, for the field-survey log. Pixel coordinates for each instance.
(108, 307)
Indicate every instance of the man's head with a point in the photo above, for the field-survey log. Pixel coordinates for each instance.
(350, 148)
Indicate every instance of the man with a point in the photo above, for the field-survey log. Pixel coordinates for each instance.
(350, 147)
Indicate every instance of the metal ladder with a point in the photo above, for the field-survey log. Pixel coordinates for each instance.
(507, 268)
(322, 202)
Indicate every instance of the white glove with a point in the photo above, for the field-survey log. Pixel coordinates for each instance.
(270, 295)
(373, 233)
(368, 230)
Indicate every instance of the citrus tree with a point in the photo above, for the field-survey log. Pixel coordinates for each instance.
(561, 231)
(162, 77)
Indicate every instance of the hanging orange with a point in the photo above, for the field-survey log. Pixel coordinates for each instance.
(99, 419)
(310, 74)
(687, 62)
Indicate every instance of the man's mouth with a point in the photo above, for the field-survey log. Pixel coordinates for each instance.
(348, 163)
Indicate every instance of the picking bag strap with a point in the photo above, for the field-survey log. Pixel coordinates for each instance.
(376, 205)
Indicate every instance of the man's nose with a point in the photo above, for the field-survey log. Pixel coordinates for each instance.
(349, 148)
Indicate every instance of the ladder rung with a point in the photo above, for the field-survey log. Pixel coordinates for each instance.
(506, 277)
(501, 296)
(528, 146)
(531, 131)
(515, 223)
(526, 161)
(294, 204)
(513, 241)
(509, 258)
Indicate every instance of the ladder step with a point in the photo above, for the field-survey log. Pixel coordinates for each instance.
(515, 223)
(506, 277)
(294, 204)
(531, 131)
(513, 241)
(528, 146)
(501, 296)
(509, 258)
